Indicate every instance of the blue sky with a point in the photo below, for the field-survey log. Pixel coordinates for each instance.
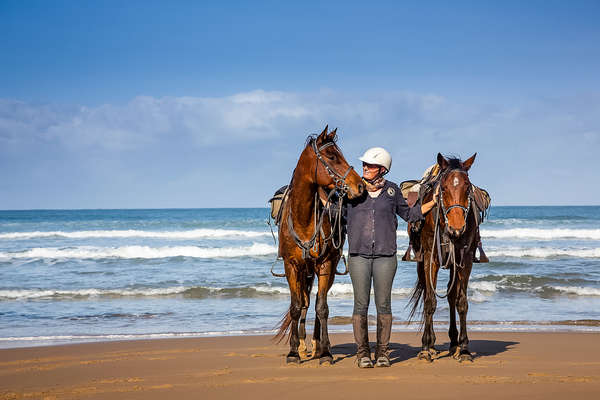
(207, 104)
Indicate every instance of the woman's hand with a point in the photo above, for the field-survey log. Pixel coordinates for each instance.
(436, 194)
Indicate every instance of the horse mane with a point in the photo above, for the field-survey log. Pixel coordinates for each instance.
(312, 137)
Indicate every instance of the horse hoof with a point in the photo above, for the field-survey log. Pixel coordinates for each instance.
(454, 352)
(425, 355)
(302, 350)
(292, 360)
(465, 356)
(327, 360)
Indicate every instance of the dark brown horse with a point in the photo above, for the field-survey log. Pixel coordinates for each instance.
(448, 240)
(307, 242)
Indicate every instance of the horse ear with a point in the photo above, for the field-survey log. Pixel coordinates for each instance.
(332, 134)
(467, 164)
(323, 134)
(442, 162)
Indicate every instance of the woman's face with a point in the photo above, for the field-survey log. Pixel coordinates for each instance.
(370, 171)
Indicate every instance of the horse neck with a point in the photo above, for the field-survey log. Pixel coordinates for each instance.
(303, 191)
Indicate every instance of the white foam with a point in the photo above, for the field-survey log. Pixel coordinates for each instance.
(544, 252)
(271, 289)
(256, 249)
(477, 297)
(190, 234)
(483, 286)
(541, 234)
(578, 290)
(25, 294)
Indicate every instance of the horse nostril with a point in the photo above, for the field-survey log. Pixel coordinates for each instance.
(360, 188)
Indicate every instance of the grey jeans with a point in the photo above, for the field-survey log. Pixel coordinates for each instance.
(380, 270)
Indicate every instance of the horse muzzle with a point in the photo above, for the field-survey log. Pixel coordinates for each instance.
(454, 233)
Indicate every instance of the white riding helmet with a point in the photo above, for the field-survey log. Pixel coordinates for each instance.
(377, 156)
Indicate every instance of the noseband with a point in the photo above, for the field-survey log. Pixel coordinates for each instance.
(338, 179)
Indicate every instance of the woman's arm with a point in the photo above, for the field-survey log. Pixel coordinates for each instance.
(425, 208)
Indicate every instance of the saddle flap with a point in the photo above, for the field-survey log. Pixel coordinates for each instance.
(412, 198)
(481, 197)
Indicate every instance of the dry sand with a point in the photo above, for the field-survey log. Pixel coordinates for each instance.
(507, 365)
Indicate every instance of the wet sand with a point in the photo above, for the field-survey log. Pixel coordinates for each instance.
(506, 365)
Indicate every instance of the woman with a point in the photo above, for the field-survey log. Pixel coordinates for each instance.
(371, 226)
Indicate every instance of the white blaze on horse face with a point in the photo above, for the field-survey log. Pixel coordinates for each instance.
(455, 182)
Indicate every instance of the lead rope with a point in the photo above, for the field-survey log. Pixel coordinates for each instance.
(452, 255)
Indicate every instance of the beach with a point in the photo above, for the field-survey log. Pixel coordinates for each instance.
(530, 365)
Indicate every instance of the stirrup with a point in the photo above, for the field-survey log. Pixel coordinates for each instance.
(482, 257)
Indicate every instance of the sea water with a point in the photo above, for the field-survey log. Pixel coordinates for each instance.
(87, 275)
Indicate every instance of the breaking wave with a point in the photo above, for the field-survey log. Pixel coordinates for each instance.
(543, 234)
(196, 292)
(190, 234)
(544, 252)
(577, 290)
(86, 252)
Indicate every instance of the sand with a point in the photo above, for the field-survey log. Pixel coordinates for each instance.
(507, 365)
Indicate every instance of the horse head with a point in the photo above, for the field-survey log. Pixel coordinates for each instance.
(455, 188)
(332, 170)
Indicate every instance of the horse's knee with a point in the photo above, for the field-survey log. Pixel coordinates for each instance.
(322, 308)
(295, 311)
(429, 305)
(462, 305)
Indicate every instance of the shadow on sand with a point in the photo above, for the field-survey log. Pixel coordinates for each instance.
(402, 352)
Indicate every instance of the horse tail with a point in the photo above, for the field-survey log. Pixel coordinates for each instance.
(418, 292)
(283, 329)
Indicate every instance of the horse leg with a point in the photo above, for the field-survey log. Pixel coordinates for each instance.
(302, 350)
(452, 331)
(429, 305)
(316, 340)
(463, 354)
(325, 282)
(293, 356)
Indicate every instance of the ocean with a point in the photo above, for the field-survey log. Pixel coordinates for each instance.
(71, 276)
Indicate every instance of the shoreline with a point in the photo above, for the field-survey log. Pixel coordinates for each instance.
(584, 326)
(546, 365)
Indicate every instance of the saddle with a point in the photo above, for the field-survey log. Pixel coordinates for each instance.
(277, 202)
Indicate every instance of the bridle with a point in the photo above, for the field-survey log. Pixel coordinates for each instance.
(445, 210)
(338, 179)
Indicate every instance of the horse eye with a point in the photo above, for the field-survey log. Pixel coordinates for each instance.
(330, 156)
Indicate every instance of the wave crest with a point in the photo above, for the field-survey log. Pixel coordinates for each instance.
(131, 233)
(87, 252)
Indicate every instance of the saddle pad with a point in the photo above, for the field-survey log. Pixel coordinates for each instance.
(276, 203)
(408, 186)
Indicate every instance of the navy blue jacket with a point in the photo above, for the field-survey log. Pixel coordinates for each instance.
(372, 222)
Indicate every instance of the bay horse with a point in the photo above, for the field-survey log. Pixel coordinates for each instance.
(448, 240)
(307, 243)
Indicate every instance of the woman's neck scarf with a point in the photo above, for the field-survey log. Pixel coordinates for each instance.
(375, 184)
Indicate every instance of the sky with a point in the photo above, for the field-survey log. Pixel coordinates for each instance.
(186, 104)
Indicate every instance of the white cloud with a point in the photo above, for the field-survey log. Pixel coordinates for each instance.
(541, 141)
